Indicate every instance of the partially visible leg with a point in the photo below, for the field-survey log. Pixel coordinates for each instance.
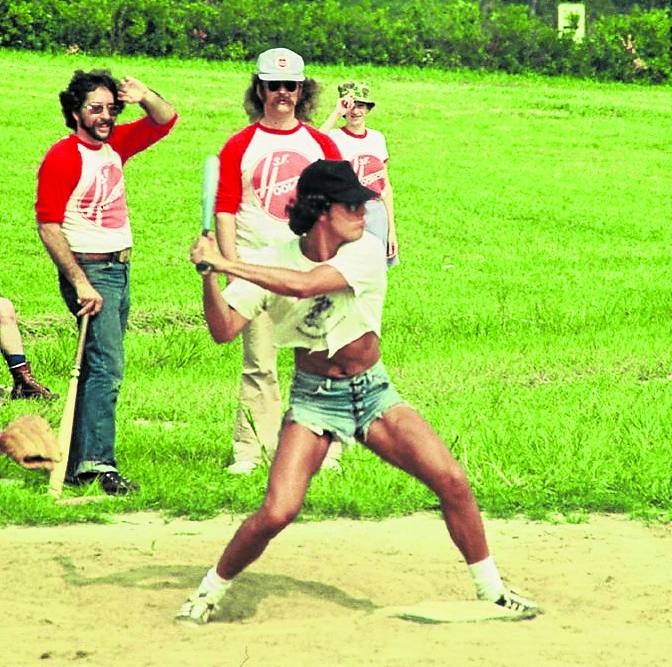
(11, 345)
(259, 412)
(298, 457)
(10, 336)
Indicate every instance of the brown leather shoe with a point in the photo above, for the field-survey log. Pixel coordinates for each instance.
(26, 386)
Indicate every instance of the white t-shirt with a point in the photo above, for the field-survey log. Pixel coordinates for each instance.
(326, 321)
(367, 153)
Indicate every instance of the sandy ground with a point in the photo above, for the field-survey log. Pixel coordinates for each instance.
(106, 595)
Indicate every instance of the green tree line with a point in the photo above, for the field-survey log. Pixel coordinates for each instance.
(486, 34)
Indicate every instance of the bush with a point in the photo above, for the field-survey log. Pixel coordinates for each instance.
(443, 33)
(650, 32)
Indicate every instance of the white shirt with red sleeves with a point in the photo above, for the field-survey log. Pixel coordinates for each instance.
(367, 153)
(259, 170)
(81, 186)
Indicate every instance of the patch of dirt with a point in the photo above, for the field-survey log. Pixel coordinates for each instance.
(106, 595)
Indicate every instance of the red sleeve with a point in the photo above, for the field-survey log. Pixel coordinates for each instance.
(57, 177)
(131, 138)
(230, 186)
(326, 143)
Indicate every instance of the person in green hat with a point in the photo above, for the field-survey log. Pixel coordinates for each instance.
(366, 150)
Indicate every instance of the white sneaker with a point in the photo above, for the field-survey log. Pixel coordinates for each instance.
(512, 600)
(241, 467)
(200, 607)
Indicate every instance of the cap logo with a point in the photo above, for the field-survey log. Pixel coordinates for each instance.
(281, 62)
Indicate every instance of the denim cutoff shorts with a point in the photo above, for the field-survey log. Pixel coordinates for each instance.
(343, 407)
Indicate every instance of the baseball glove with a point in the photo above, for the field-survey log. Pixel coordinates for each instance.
(30, 442)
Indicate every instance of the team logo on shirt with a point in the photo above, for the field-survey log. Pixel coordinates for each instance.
(314, 320)
(274, 180)
(371, 172)
(104, 202)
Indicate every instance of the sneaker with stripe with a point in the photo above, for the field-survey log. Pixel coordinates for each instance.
(514, 601)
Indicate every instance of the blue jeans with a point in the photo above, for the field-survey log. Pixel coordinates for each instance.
(92, 448)
(343, 407)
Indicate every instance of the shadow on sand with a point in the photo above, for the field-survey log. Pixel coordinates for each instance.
(242, 600)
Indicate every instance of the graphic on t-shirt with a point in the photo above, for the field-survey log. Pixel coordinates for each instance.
(314, 319)
(274, 180)
(371, 172)
(104, 203)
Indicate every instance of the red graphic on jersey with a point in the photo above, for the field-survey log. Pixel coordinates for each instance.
(104, 203)
(274, 180)
(370, 171)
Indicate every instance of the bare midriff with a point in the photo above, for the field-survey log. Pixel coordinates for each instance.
(355, 357)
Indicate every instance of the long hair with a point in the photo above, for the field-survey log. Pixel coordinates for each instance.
(304, 211)
(305, 107)
(81, 84)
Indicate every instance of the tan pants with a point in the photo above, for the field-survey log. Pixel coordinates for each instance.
(259, 405)
(260, 409)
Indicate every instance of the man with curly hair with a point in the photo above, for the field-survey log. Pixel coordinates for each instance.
(83, 222)
(325, 292)
(259, 169)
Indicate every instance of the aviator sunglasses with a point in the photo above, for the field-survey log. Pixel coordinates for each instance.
(274, 86)
(112, 109)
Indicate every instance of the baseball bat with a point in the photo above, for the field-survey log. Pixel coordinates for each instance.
(57, 476)
(208, 192)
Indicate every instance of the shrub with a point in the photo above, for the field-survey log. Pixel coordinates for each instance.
(443, 33)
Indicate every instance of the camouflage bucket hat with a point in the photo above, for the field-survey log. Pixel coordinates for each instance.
(360, 91)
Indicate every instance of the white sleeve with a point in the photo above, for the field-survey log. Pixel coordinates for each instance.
(386, 155)
(361, 263)
(245, 298)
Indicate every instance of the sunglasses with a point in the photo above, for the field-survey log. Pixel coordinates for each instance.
(112, 109)
(274, 86)
(353, 207)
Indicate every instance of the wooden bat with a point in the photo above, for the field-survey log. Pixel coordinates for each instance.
(57, 475)
(208, 192)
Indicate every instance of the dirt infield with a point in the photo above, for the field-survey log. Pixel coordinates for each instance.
(106, 595)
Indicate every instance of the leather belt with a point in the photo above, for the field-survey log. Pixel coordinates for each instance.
(121, 256)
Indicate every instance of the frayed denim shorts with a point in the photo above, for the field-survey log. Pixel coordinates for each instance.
(343, 407)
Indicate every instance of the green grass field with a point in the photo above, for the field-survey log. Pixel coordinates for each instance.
(529, 321)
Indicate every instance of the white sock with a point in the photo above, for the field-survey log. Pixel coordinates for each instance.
(213, 582)
(488, 583)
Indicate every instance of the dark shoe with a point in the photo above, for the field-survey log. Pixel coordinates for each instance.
(111, 482)
(115, 485)
(26, 386)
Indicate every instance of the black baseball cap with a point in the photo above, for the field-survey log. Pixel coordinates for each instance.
(335, 180)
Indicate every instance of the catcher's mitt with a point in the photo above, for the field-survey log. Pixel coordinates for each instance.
(30, 442)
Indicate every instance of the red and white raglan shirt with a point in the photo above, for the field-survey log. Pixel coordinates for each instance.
(367, 153)
(259, 168)
(81, 186)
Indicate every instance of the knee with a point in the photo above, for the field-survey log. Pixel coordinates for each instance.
(276, 517)
(452, 485)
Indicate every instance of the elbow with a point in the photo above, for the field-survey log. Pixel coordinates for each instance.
(222, 334)
(222, 337)
(303, 292)
(302, 288)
